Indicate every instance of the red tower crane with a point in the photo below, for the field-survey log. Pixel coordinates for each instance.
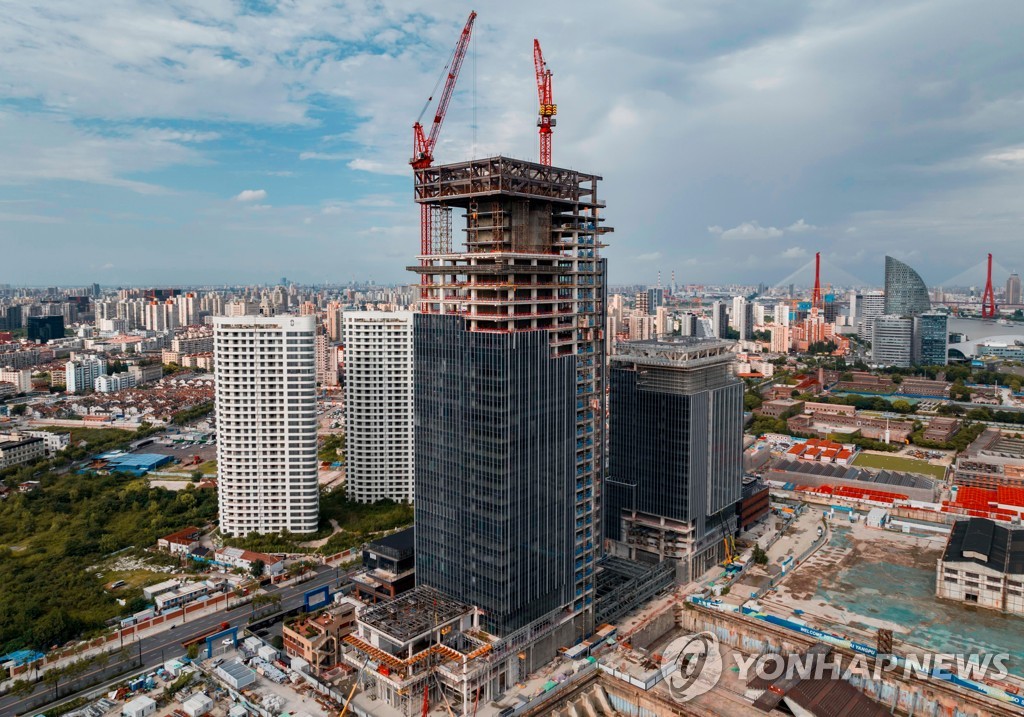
(423, 144)
(548, 109)
(988, 299)
(816, 301)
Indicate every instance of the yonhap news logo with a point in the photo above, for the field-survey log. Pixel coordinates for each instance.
(693, 666)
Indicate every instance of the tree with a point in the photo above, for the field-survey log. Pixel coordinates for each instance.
(760, 556)
(19, 409)
(52, 678)
(22, 688)
(256, 569)
(193, 651)
(901, 406)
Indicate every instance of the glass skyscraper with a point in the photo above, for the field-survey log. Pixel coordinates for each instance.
(675, 452)
(509, 376)
(905, 291)
(932, 332)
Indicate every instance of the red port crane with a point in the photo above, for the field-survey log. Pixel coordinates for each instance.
(988, 299)
(423, 144)
(548, 109)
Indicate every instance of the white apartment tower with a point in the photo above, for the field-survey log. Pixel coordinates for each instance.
(266, 423)
(378, 405)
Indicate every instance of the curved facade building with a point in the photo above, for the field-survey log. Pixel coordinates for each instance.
(905, 290)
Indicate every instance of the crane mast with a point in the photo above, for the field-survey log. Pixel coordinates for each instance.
(547, 108)
(435, 222)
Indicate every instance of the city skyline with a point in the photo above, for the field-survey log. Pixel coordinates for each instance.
(252, 126)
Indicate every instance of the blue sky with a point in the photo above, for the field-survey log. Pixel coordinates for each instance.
(208, 141)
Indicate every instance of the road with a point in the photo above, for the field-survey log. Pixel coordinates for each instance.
(167, 644)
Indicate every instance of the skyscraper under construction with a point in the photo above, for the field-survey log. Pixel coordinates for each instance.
(509, 375)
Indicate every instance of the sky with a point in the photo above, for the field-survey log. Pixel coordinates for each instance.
(211, 141)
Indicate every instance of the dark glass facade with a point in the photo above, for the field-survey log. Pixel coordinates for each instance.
(675, 439)
(495, 439)
(932, 339)
(45, 328)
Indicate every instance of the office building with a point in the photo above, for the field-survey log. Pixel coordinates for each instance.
(675, 453)
(45, 328)
(265, 398)
(905, 291)
(378, 405)
(931, 339)
(509, 392)
(892, 341)
(1012, 290)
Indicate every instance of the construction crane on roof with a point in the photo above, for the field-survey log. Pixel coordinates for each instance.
(423, 143)
(548, 109)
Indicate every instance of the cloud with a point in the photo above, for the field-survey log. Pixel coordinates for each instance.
(323, 156)
(369, 165)
(794, 252)
(747, 230)
(251, 195)
(649, 256)
(1008, 156)
(800, 226)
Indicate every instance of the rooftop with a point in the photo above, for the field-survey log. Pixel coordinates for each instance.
(413, 613)
(397, 545)
(984, 542)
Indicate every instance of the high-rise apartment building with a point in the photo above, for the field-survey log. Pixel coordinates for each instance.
(379, 405)
(675, 452)
(326, 360)
(265, 397)
(719, 319)
(742, 317)
(82, 371)
(1012, 289)
(905, 291)
(509, 375)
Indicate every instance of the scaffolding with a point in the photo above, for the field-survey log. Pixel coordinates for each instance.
(623, 586)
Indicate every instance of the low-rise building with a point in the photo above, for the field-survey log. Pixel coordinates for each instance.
(182, 542)
(780, 407)
(826, 423)
(992, 460)
(185, 594)
(753, 504)
(389, 567)
(146, 373)
(18, 448)
(244, 559)
(54, 442)
(983, 565)
(941, 429)
(318, 639)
